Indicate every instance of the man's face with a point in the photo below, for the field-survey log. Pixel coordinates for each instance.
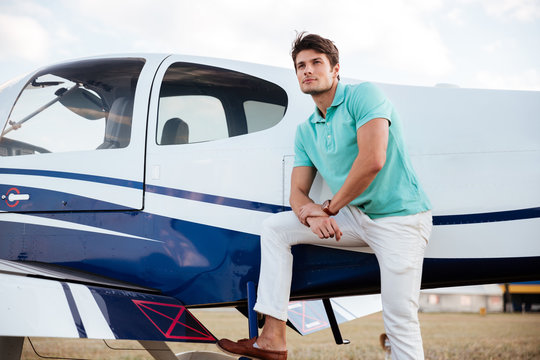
(314, 72)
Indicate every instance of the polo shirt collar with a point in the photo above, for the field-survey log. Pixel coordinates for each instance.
(339, 97)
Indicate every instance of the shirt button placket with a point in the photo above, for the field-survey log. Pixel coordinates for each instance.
(329, 136)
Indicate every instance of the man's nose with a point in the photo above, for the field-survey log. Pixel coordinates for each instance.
(308, 69)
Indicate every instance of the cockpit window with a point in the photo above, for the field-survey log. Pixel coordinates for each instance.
(203, 103)
(85, 105)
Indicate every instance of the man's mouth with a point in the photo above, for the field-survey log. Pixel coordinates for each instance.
(308, 80)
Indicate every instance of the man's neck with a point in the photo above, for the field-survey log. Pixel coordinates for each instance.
(324, 100)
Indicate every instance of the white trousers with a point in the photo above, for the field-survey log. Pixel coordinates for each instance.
(398, 243)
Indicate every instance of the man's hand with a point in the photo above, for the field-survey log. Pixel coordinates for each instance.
(324, 227)
(310, 209)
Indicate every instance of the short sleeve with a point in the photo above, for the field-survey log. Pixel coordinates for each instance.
(301, 157)
(369, 102)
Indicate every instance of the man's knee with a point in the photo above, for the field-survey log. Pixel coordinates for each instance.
(280, 222)
(276, 228)
(270, 222)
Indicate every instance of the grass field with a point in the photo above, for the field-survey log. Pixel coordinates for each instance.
(446, 336)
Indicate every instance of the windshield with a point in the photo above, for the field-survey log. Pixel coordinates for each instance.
(73, 107)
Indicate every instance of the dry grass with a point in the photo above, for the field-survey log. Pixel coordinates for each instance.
(446, 336)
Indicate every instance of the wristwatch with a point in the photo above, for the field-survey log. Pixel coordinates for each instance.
(326, 208)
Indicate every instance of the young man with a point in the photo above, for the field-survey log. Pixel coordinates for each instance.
(354, 139)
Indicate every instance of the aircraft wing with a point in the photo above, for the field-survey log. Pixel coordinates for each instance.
(307, 317)
(41, 300)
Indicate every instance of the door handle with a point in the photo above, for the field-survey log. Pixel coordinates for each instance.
(16, 197)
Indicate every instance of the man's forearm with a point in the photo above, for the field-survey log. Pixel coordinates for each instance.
(297, 200)
(301, 180)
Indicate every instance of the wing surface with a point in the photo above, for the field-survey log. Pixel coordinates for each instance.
(55, 307)
(307, 317)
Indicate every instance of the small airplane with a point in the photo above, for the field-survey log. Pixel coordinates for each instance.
(133, 188)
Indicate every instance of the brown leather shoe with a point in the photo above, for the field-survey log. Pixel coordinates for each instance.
(245, 347)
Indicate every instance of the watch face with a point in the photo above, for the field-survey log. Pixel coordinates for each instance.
(326, 206)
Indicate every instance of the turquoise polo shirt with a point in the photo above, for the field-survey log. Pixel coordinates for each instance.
(330, 145)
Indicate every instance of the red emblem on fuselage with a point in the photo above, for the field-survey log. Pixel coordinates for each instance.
(15, 190)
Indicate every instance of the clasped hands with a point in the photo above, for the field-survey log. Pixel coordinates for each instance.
(322, 225)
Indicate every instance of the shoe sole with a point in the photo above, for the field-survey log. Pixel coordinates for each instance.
(236, 355)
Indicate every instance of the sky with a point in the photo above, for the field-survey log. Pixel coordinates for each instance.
(469, 43)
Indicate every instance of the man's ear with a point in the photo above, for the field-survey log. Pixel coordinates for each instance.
(335, 70)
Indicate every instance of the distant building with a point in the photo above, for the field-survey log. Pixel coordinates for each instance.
(523, 296)
(462, 299)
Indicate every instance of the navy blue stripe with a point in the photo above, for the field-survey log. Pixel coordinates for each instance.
(509, 215)
(219, 200)
(271, 208)
(75, 176)
(74, 311)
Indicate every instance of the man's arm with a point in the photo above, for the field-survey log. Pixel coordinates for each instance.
(301, 180)
(372, 139)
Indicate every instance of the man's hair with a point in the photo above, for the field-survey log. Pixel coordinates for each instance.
(305, 41)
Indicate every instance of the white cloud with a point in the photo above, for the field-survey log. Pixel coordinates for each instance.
(398, 36)
(394, 33)
(22, 37)
(425, 5)
(521, 10)
(404, 41)
(202, 27)
(456, 16)
(494, 46)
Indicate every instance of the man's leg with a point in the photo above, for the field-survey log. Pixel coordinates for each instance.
(280, 232)
(273, 335)
(278, 235)
(399, 243)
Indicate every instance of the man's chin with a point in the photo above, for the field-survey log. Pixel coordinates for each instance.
(313, 91)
